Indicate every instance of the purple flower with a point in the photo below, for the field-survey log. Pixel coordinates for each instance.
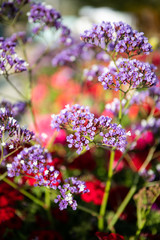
(70, 187)
(148, 175)
(69, 55)
(44, 15)
(76, 52)
(100, 35)
(65, 36)
(19, 36)
(9, 61)
(33, 161)
(134, 73)
(93, 72)
(119, 37)
(85, 128)
(10, 127)
(10, 8)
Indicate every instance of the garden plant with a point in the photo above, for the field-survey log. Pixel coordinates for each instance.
(79, 129)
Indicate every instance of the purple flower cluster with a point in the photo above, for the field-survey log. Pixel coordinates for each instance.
(93, 72)
(14, 109)
(139, 97)
(135, 73)
(65, 37)
(119, 37)
(77, 51)
(9, 127)
(100, 35)
(148, 175)
(153, 93)
(32, 161)
(85, 127)
(70, 187)
(44, 15)
(103, 56)
(10, 8)
(151, 123)
(9, 61)
(19, 36)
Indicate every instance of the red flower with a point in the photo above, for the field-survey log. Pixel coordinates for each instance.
(95, 194)
(6, 214)
(147, 138)
(109, 236)
(84, 161)
(45, 234)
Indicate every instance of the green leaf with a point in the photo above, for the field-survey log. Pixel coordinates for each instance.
(144, 200)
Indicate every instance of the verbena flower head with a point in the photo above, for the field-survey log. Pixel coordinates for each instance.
(143, 96)
(44, 15)
(134, 73)
(84, 127)
(70, 187)
(8, 9)
(14, 109)
(33, 161)
(93, 72)
(119, 37)
(9, 61)
(69, 55)
(11, 134)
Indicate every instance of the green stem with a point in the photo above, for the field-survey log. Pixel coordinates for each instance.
(84, 209)
(9, 154)
(30, 102)
(132, 190)
(8, 80)
(149, 158)
(120, 107)
(3, 176)
(123, 204)
(24, 192)
(2, 148)
(48, 204)
(47, 198)
(106, 193)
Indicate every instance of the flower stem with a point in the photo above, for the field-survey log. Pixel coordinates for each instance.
(9, 154)
(106, 193)
(120, 107)
(149, 158)
(84, 209)
(48, 204)
(30, 101)
(123, 204)
(24, 192)
(16, 89)
(132, 190)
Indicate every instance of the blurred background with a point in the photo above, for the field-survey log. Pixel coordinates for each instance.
(144, 14)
